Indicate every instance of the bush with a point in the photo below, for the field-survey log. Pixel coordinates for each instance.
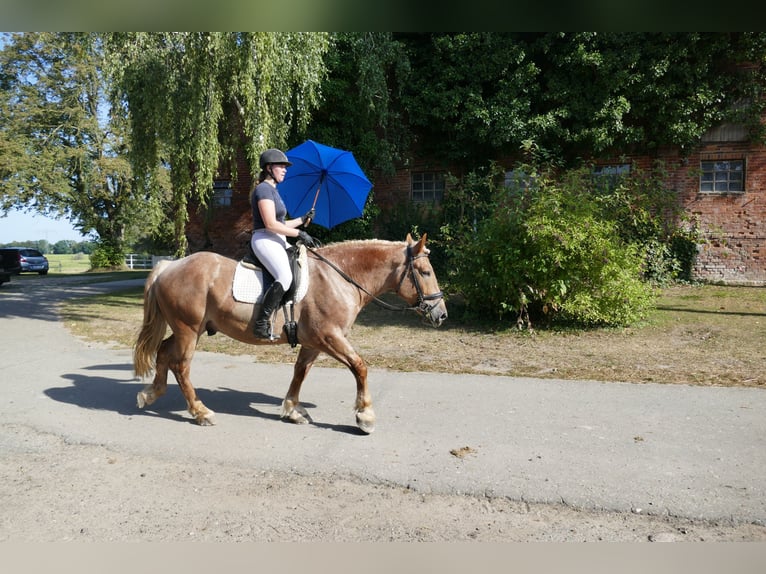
(106, 256)
(547, 252)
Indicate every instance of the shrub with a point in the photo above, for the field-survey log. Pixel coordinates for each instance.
(547, 252)
(107, 256)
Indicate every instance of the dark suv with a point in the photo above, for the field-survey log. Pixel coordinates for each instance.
(18, 260)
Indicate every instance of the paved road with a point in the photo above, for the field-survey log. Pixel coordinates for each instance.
(686, 451)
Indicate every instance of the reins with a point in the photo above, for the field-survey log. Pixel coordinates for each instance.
(422, 305)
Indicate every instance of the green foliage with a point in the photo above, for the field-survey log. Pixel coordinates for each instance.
(107, 256)
(63, 150)
(683, 251)
(360, 108)
(548, 251)
(194, 99)
(473, 95)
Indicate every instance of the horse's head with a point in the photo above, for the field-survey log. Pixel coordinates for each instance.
(418, 285)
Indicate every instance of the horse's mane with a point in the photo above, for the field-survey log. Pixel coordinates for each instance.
(376, 252)
(357, 244)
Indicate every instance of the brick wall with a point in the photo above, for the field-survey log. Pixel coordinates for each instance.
(224, 229)
(733, 225)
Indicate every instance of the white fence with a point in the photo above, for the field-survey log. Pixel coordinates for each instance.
(136, 261)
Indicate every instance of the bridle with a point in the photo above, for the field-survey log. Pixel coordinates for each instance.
(422, 305)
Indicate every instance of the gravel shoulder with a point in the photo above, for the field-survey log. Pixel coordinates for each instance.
(54, 491)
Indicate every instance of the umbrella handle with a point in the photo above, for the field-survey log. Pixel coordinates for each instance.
(319, 188)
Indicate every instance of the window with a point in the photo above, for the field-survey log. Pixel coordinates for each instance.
(722, 176)
(427, 186)
(222, 192)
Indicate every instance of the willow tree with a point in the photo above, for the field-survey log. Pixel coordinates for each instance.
(62, 151)
(194, 98)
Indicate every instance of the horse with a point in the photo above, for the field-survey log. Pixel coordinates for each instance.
(193, 296)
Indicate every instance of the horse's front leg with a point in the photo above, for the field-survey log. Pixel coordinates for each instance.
(291, 407)
(365, 416)
(342, 350)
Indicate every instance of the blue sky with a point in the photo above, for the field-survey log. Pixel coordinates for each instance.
(20, 226)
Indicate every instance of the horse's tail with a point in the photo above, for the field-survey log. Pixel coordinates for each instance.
(153, 327)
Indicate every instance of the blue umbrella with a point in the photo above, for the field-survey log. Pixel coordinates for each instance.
(326, 179)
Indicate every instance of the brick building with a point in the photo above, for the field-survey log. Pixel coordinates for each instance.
(721, 184)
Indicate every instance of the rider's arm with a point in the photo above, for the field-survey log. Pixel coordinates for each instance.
(269, 216)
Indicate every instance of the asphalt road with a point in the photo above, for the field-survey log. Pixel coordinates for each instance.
(685, 451)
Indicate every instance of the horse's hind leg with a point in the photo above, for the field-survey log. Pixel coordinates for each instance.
(159, 385)
(291, 407)
(175, 354)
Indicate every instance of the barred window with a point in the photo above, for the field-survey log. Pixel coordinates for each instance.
(427, 186)
(222, 192)
(722, 176)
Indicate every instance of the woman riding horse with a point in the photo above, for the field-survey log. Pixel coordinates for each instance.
(270, 232)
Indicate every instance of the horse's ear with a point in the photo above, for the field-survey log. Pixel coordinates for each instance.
(421, 245)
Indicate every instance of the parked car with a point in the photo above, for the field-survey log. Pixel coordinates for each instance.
(19, 260)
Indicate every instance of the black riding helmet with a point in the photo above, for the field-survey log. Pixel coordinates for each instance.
(273, 155)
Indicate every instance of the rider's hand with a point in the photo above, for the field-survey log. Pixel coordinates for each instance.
(309, 216)
(307, 240)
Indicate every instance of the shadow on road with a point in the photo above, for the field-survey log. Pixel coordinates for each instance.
(118, 394)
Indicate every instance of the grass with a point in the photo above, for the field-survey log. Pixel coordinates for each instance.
(68, 263)
(697, 335)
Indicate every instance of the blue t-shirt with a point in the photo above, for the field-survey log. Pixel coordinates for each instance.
(265, 190)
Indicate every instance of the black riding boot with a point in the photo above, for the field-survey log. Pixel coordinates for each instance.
(271, 300)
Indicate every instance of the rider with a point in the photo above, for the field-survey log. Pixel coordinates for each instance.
(270, 232)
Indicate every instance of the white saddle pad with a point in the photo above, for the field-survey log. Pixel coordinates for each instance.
(247, 286)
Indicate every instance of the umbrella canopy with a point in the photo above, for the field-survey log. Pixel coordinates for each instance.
(327, 179)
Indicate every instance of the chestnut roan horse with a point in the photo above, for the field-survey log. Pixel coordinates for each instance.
(193, 295)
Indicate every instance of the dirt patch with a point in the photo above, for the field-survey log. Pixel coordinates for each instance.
(56, 491)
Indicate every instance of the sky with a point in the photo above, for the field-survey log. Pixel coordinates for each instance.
(19, 226)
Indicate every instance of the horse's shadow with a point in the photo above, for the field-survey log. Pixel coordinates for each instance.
(118, 395)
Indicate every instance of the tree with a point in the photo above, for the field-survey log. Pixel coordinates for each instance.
(472, 96)
(194, 99)
(62, 149)
(360, 109)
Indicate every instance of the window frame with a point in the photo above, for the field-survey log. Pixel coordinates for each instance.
(608, 176)
(222, 193)
(432, 185)
(718, 175)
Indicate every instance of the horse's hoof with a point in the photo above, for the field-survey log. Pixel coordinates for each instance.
(141, 400)
(206, 420)
(298, 415)
(365, 420)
